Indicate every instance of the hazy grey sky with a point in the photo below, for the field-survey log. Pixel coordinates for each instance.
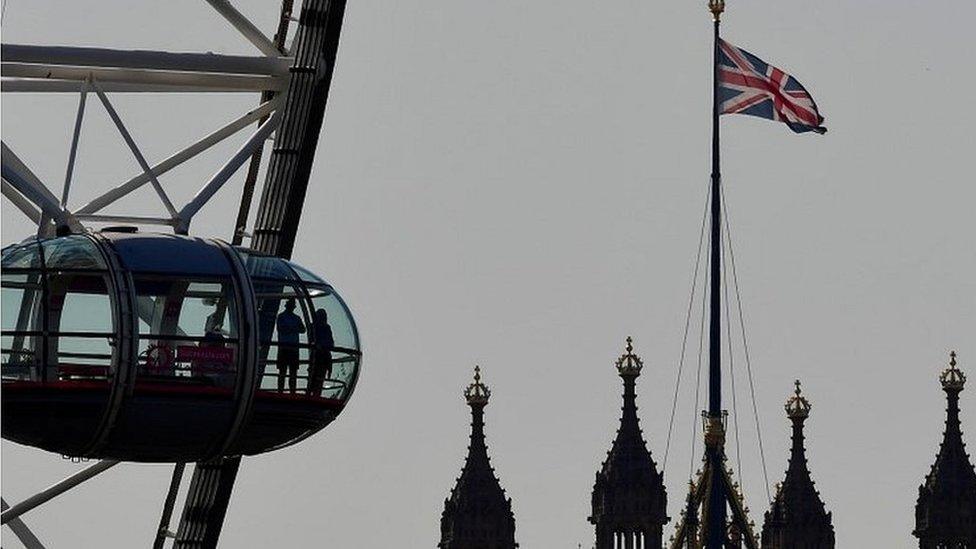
(519, 185)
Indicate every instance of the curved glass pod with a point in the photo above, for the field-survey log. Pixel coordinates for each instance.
(152, 347)
(60, 318)
(308, 354)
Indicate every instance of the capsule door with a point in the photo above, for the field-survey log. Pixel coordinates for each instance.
(183, 394)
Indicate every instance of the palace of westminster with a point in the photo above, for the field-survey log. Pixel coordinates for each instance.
(629, 501)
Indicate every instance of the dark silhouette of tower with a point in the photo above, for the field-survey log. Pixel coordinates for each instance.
(945, 515)
(629, 499)
(797, 518)
(477, 515)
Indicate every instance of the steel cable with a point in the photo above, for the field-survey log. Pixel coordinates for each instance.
(701, 349)
(745, 345)
(684, 340)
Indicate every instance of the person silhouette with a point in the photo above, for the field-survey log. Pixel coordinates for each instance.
(289, 326)
(322, 361)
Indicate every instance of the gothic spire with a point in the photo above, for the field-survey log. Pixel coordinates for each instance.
(945, 515)
(629, 503)
(477, 514)
(797, 517)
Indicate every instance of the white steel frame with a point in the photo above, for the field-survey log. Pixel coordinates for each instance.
(102, 71)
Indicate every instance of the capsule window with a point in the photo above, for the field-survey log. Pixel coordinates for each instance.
(187, 332)
(58, 314)
(81, 339)
(22, 325)
(335, 344)
(265, 267)
(72, 252)
(79, 303)
(22, 256)
(308, 341)
(283, 329)
(305, 275)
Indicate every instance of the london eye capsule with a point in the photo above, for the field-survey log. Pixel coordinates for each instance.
(164, 348)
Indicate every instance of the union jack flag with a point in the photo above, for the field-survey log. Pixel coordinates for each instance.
(749, 85)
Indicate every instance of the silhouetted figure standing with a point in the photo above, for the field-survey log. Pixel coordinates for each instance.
(289, 325)
(322, 361)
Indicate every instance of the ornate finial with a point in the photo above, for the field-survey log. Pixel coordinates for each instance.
(952, 377)
(714, 430)
(797, 406)
(716, 7)
(629, 364)
(477, 392)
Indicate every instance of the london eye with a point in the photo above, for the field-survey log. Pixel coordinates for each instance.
(128, 337)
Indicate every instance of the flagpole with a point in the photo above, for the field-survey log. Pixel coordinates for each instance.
(715, 332)
(715, 428)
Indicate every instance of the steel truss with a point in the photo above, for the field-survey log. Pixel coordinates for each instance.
(293, 93)
(101, 71)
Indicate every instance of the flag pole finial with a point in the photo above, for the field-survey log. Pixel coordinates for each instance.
(716, 7)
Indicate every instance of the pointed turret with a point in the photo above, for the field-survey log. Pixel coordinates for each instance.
(945, 515)
(477, 515)
(797, 518)
(629, 499)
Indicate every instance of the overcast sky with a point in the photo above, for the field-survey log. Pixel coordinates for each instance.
(520, 185)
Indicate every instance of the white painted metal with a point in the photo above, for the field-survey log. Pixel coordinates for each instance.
(30, 186)
(55, 490)
(226, 171)
(22, 85)
(22, 203)
(31, 193)
(59, 69)
(9, 158)
(74, 145)
(245, 27)
(135, 150)
(21, 530)
(72, 56)
(233, 82)
(134, 219)
(179, 157)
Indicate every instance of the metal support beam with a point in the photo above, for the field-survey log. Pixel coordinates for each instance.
(45, 228)
(137, 219)
(290, 163)
(174, 487)
(144, 59)
(30, 187)
(22, 203)
(27, 85)
(21, 530)
(74, 145)
(135, 150)
(178, 158)
(56, 490)
(251, 179)
(233, 82)
(206, 503)
(245, 27)
(217, 181)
